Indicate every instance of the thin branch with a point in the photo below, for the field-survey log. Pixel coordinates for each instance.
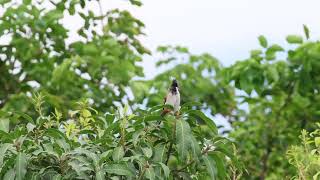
(143, 171)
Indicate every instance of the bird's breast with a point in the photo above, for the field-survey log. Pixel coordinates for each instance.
(173, 100)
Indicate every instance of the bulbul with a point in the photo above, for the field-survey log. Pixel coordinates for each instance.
(172, 98)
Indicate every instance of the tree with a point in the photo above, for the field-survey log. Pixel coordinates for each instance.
(281, 97)
(57, 114)
(99, 66)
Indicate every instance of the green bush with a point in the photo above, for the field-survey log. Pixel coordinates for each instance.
(88, 144)
(306, 157)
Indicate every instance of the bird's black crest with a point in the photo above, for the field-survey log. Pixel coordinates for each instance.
(174, 86)
(174, 83)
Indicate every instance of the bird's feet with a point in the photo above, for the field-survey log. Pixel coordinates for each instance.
(177, 114)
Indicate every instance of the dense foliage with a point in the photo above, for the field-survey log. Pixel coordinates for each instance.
(98, 66)
(79, 109)
(306, 157)
(91, 145)
(282, 98)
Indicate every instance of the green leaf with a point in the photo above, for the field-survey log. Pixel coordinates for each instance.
(10, 175)
(7, 136)
(100, 175)
(269, 57)
(25, 116)
(227, 152)
(294, 39)
(136, 2)
(208, 121)
(166, 170)
(86, 113)
(196, 150)
(104, 156)
(317, 141)
(3, 150)
(2, 2)
(156, 108)
(191, 104)
(136, 136)
(219, 162)
(118, 169)
(93, 156)
(255, 52)
(26, 2)
(55, 177)
(271, 51)
(211, 166)
(150, 174)
(54, 15)
(306, 31)
(181, 49)
(147, 152)
(272, 73)
(165, 61)
(21, 166)
(168, 106)
(263, 41)
(151, 118)
(275, 47)
(82, 3)
(4, 124)
(55, 133)
(159, 153)
(80, 169)
(183, 133)
(72, 10)
(118, 154)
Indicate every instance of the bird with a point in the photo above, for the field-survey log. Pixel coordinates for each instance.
(172, 98)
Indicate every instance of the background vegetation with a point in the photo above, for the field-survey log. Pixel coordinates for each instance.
(79, 111)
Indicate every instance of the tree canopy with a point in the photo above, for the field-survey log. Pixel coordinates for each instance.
(84, 109)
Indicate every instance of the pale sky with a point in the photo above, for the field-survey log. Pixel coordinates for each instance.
(227, 29)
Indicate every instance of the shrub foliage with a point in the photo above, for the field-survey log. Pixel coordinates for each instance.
(88, 144)
(267, 98)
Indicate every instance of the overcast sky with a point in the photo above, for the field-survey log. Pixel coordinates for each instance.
(227, 29)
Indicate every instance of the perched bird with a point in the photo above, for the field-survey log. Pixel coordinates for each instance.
(172, 98)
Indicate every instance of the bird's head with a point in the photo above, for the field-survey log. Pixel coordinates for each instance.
(174, 83)
(174, 86)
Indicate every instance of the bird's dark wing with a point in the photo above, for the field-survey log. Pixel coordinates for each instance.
(164, 100)
(164, 110)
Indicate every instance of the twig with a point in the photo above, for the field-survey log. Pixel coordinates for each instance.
(143, 171)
